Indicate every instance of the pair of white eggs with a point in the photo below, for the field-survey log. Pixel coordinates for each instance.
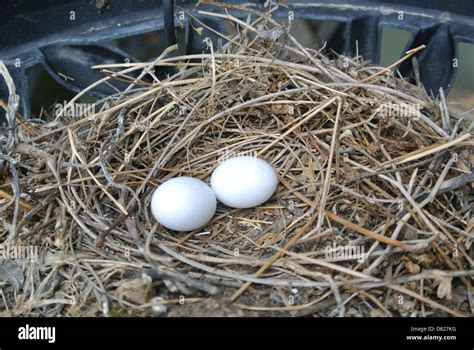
(185, 203)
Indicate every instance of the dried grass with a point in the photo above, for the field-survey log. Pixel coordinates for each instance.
(351, 174)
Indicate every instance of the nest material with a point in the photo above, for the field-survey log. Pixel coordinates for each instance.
(356, 171)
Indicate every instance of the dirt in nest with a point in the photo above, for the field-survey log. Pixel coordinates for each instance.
(210, 307)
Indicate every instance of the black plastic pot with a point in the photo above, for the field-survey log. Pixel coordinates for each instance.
(68, 36)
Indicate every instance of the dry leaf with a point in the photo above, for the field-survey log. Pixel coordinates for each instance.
(136, 290)
(271, 35)
(276, 85)
(279, 109)
(444, 287)
(412, 267)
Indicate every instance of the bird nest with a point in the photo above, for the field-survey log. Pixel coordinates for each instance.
(372, 214)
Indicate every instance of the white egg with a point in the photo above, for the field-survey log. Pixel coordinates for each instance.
(244, 182)
(183, 204)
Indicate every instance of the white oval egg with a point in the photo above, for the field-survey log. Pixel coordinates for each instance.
(244, 182)
(183, 204)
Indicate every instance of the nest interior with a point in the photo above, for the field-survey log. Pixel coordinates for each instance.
(369, 165)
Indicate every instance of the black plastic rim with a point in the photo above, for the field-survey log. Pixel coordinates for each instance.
(68, 36)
